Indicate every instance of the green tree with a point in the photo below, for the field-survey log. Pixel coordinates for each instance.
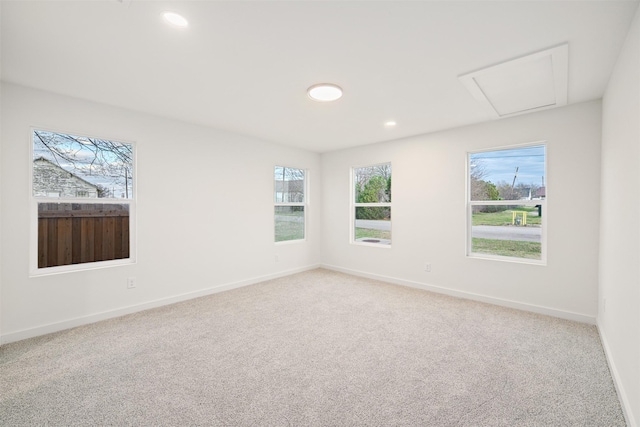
(375, 190)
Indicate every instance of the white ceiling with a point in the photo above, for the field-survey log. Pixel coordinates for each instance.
(245, 66)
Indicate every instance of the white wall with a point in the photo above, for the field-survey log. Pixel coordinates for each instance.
(0, 183)
(205, 214)
(428, 213)
(619, 321)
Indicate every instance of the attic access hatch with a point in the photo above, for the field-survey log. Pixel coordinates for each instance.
(529, 83)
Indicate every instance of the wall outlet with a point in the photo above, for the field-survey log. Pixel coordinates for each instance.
(604, 305)
(131, 282)
(277, 258)
(427, 267)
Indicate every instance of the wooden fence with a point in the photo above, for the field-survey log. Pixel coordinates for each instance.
(74, 233)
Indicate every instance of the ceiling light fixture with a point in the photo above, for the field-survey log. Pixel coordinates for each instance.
(390, 124)
(325, 92)
(175, 19)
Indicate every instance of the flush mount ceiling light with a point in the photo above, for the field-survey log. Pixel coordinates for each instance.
(533, 82)
(176, 20)
(390, 124)
(325, 92)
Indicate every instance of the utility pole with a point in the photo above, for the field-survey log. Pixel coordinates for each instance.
(513, 184)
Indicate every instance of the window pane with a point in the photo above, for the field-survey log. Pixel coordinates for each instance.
(289, 223)
(373, 225)
(69, 166)
(513, 231)
(75, 233)
(288, 185)
(373, 184)
(513, 174)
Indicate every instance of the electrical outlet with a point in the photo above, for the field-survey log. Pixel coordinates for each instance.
(604, 305)
(427, 268)
(131, 282)
(277, 258)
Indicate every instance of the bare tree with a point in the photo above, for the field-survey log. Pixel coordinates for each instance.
(89, 157)
(289, 184)
(479, 187)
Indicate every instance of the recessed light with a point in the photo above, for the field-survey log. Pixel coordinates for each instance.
(175, 19)
(325, 92)
(390, 124)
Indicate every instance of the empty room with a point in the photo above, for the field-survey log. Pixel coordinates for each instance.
(320, 213)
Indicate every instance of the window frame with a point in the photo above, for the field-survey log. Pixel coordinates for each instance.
(304, 204)
(354, 205)
(34, 270)
(469, 204)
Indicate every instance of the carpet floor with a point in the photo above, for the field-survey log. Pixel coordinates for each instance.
(318, 348)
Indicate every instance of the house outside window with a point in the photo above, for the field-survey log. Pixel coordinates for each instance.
(506, 204)
(290, 202)
(83, 201)
(371, 205)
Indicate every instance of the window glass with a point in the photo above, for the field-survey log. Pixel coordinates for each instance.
(506, 202)
(289, 223)
(83, 191)
(507, 230)
(72, 166)
(289, 185)
(290, 201)
(75, 233)
(372, 204)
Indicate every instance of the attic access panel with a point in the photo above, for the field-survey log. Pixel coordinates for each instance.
(533, 82)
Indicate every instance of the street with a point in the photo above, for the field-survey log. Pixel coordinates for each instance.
(529, 234)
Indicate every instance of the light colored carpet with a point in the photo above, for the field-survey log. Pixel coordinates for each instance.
(314, 349)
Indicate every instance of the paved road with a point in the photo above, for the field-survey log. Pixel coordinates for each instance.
(528, 234)
(373, 225)
(289, 218)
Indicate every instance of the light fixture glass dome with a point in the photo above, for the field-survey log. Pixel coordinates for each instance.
(175, 19)
(325, 92)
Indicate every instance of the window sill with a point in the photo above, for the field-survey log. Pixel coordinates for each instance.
(62, 269)
(507, 259)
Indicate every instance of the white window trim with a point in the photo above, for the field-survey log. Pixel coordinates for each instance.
(304, 205)
(353, 205)
(34, 271)
(469, 204)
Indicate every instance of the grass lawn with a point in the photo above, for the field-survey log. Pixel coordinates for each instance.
(511, 248)
(374, 234)
(289, 230)
(505, 217)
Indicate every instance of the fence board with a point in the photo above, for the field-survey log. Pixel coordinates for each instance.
(76, 240)
(52, 247)
(117, 246)
(87, 243)
(109, 237)
(125, 239)
(64, 241)
(43, 253)
(99, 237)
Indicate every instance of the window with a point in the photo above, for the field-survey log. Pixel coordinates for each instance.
(372, 204)
(506, 203)
(289, 197)
(82, 190)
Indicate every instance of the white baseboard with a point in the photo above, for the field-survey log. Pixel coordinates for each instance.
(568, 315)
(92, 318)
(622, 395)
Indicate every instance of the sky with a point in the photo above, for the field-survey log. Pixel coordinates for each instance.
(501, 165)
